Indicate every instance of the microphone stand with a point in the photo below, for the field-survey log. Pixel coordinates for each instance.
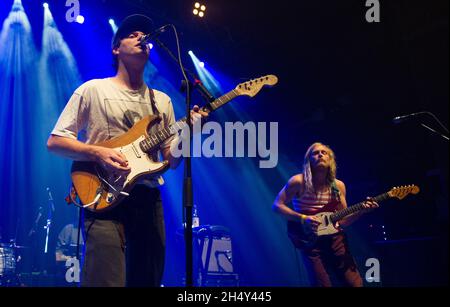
(35, 225)
(187, 182)
(399, 119)
(439, 122)
(432, 130)
(51, 208)
(197, 83)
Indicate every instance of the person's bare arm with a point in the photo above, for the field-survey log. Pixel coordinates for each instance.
(280, 205)
(79, 151)
(355, 216)
(284, 197)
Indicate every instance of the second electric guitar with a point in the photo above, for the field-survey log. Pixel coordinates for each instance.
(328, 220)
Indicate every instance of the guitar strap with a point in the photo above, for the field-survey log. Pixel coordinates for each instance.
(335, 191)
(155, 112)
(153, 102)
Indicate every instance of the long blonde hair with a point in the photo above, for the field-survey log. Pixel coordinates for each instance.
(307, 173)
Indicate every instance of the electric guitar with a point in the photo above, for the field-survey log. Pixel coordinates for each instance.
(329, 220)
(99, 190)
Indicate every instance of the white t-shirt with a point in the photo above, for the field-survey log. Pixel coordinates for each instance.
(100, 110)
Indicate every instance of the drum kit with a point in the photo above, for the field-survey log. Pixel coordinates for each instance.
(10, 261)
(33, 263)
(26, 266)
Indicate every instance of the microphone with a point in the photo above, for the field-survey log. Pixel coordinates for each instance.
(402, 118)
(148, 37)
(50, 199)
(38, 216)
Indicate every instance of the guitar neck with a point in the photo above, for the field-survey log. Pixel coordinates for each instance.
(222, 100)
(161, 135)
(341, 214)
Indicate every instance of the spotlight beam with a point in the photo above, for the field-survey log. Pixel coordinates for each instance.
(205, 76)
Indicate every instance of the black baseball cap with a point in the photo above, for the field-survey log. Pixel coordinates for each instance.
(136, 22)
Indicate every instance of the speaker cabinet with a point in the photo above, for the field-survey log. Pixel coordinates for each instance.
(215, 257)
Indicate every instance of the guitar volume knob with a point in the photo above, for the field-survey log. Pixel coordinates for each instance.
(109, 197)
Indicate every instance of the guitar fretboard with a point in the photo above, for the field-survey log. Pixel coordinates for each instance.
(339, 215)
(155, 139)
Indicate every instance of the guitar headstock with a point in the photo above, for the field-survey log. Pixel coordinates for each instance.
(252, 87)
(403, 191)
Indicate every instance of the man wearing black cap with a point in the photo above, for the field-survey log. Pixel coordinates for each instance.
(103, 109)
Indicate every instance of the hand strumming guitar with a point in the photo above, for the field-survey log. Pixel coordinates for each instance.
(310, 224)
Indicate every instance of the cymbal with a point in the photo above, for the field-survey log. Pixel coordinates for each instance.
(20, 247)
(12, 245)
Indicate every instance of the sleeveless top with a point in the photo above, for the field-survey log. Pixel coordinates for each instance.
(311, 203)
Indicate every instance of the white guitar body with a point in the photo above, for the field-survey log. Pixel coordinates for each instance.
(140, 164)
(306, 239)
(325, 227)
